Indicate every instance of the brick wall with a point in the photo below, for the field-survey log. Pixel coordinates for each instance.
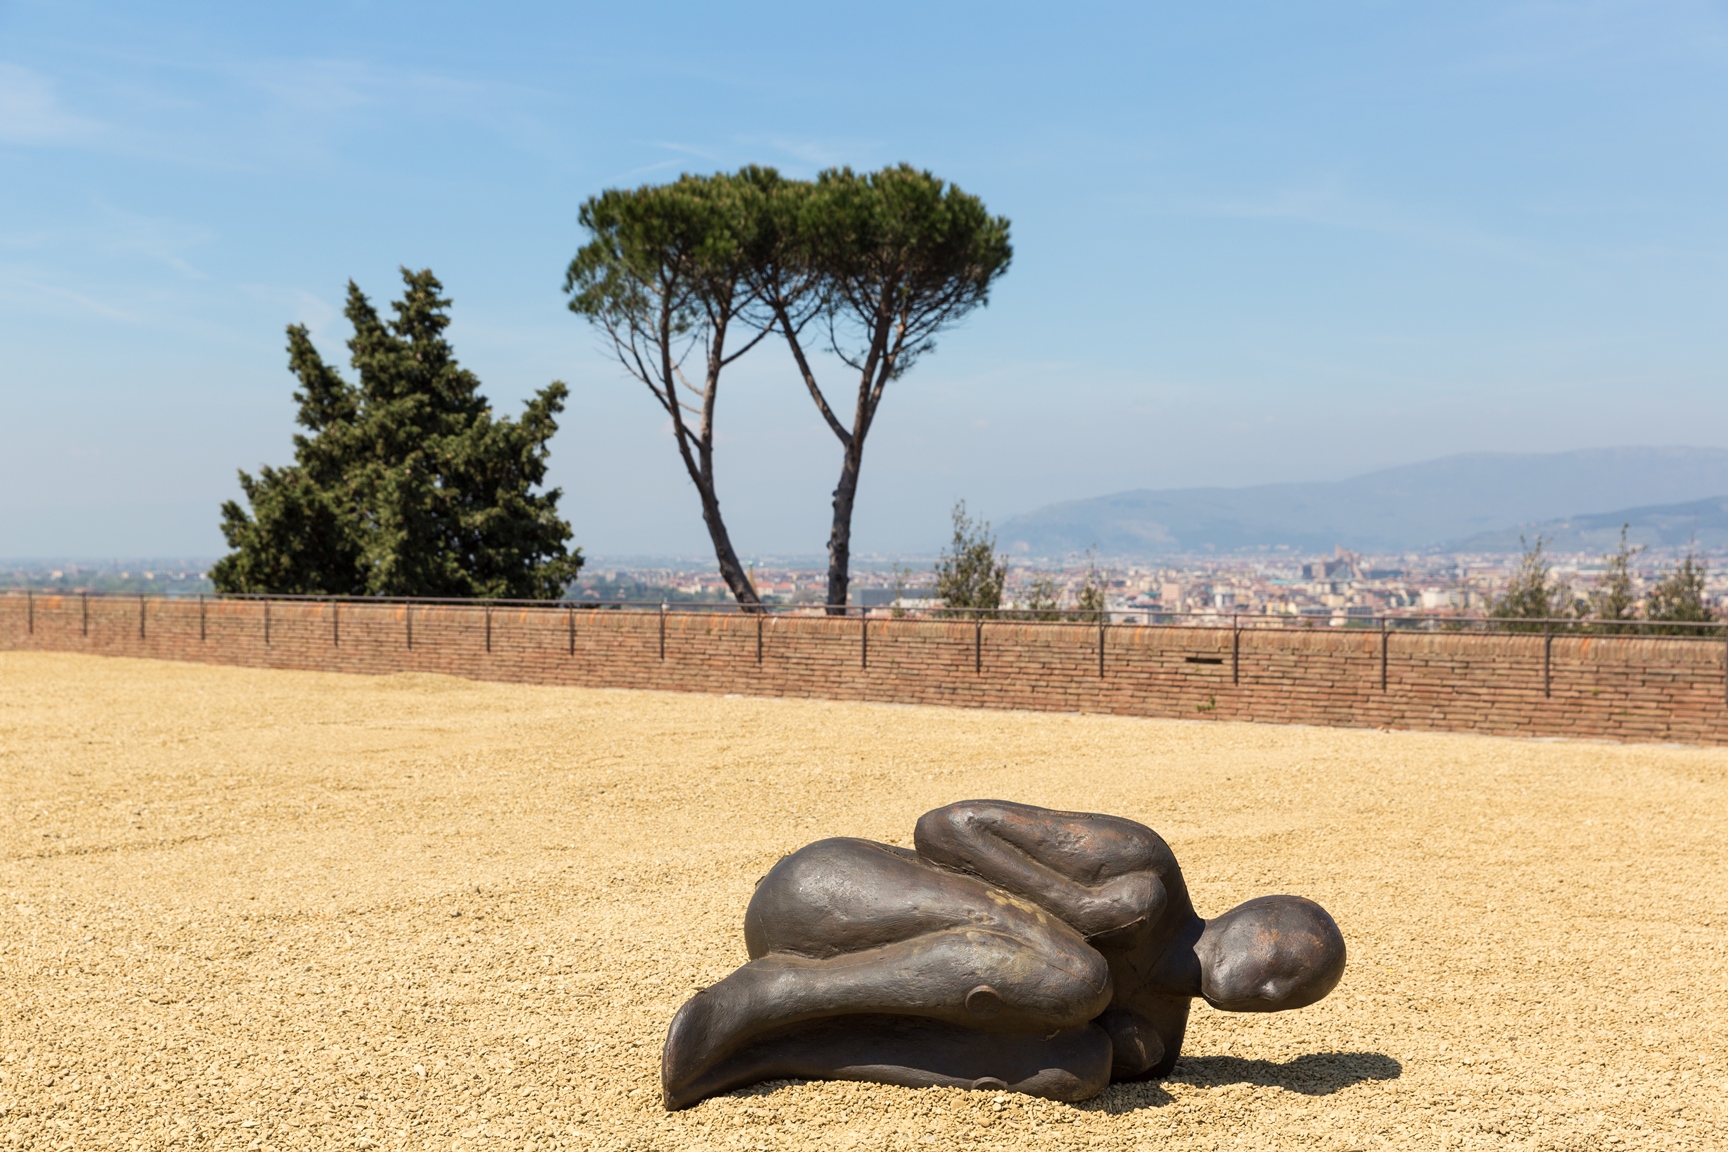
(1619, 688)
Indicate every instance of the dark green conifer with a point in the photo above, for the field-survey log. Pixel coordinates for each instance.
(403, 484)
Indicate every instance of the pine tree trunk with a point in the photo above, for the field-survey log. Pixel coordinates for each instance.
(731, 570)
(840, 535)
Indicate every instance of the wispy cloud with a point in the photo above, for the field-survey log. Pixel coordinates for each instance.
(711, 155)
(1545, 35)
(164, 240)
(27, 293)
(250, 112)
(1329, 200)
(321, 316)
(31, 112)
(106, 232)
(818, 153)
(642, 170)
(302, 108)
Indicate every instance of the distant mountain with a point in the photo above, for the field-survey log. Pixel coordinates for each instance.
(1663, 526)
(1441, 503)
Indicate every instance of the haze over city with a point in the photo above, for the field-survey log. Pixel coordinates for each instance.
(1252, 244)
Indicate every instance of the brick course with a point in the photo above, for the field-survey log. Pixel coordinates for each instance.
(1613, 687)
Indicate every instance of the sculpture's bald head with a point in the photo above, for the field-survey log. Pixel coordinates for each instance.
(1272, 953)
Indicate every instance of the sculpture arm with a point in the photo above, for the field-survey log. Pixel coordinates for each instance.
(1096, 873)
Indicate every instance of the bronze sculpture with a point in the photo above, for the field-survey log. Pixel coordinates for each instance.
(1018, 948)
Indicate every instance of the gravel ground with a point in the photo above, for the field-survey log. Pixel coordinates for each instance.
(253, 909)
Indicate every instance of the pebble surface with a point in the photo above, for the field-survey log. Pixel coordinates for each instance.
(252, 910)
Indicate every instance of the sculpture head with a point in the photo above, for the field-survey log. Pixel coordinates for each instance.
(1272, 953)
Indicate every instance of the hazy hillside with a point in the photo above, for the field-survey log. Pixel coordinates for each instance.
(1663, 526)
(1476, 496)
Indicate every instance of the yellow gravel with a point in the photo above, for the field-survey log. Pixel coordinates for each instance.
(253, 909)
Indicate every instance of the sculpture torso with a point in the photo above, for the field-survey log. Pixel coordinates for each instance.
(1117, 883)
(1155, 976)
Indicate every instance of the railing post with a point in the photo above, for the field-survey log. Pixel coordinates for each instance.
(1235, 648)
(978, 644)
(266, 621)
(84, 606)
(1103, 622)
(30, 612)
(1547, 659)
(662, 629)
(760, 616)
(335, 623)
(201, 625)
(488, 627)
(863, 637)
(140, 615)
(1383, 635)
(570, 611)
(408, 620)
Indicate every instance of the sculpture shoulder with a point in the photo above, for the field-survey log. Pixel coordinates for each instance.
(1088, 847)
(837, 856)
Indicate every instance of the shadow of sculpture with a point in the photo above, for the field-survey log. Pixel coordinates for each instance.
(1311, 1074)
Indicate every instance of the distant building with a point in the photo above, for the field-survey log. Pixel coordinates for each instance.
(1440, 598)
(1343, 566)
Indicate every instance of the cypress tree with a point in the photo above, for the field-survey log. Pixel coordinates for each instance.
(1679, 597)
(1616, 596)
(1533, 593)
(971, 574)
(404, 483)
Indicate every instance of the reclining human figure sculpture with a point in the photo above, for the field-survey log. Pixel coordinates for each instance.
(1018, 948)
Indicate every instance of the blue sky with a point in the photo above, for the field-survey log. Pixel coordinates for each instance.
(1254, 242)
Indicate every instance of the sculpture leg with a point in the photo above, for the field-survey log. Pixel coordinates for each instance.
(915, 1053)
(974, 981)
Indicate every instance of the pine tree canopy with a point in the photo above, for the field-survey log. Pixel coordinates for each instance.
(403, 484)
